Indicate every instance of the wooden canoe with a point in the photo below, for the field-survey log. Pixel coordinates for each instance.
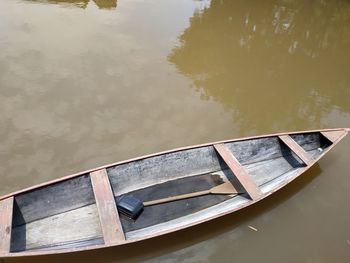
(78, 212)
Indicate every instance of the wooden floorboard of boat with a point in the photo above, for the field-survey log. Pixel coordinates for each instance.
(261, 173)
(46, 232)
(52, 200)
(236, 202)
(77, 224)
(164, 212)
(72, 244)
(266, 171)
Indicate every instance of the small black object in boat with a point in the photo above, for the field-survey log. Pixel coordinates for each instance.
(130, 206)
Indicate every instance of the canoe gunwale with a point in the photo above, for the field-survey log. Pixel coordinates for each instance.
(155, 234)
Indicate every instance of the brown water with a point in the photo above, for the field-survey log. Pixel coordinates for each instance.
(85, 83)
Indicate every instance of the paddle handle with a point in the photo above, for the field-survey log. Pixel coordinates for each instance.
(174, 198)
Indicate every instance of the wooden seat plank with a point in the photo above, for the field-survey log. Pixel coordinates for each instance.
(6, 211)
(296, 148)
(238, 170)
(109, 218)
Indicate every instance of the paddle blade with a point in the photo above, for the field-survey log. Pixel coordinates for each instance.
(224, 189)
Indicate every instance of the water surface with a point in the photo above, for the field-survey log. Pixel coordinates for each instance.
(84, 83)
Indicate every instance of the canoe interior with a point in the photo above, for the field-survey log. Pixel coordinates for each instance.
(55, 215)
(64, 214)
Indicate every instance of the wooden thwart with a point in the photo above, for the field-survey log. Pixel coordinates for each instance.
(6, 211)
(238, 170)
(111, 227)
(296, 148)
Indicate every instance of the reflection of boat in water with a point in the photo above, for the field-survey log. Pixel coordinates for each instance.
(79, 212)
(102, 4)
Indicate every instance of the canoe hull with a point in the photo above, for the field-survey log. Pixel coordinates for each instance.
(235, 164)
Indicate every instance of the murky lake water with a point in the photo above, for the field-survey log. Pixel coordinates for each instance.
(84, 83)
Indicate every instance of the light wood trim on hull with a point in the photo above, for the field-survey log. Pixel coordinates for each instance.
(6, 211)
(241, 174)
(109, 218)
(296, 148)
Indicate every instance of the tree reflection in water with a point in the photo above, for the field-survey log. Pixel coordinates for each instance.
(272, 63)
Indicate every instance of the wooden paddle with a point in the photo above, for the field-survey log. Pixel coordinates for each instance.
(223, 189)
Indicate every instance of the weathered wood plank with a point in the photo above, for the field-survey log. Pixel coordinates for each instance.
(95, 241)
(157, 214)
(6, 209)
(261, 173)
(58, 230)
(308, 141)
(231, 204)
(333, 136)
(241, 174)
(52, 200)
(296, 148)
(265, 171)
(158, 169)
(111, 226)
